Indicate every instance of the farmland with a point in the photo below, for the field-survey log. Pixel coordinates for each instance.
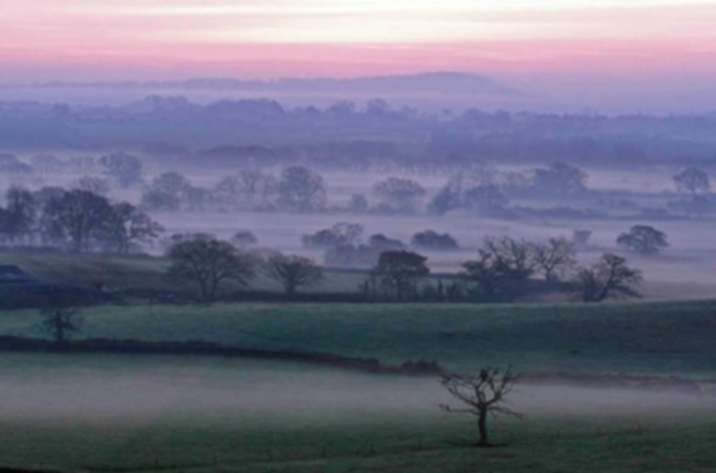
(138, 412)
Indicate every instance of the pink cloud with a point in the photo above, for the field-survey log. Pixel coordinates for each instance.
(280, 37)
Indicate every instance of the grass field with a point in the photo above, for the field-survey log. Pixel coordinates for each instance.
(662, 338)
(393, 445)
(120, 413)
(170, 413)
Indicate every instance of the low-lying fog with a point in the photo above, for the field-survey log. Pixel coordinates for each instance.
(51, 388)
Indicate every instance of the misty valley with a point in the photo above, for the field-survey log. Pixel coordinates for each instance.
(258, 285)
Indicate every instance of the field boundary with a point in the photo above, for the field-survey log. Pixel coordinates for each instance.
(201, 348)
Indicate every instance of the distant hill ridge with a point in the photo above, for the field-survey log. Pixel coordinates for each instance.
(448, 83)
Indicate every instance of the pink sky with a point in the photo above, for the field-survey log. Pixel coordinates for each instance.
(525, 42)
(106, 39)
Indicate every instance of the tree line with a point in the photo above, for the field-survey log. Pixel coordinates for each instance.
(502, 271)
(76, 220)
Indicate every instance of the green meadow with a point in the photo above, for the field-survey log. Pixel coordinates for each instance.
(668, 339)
(101, 412)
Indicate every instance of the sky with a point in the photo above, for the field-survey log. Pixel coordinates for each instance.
(660, 43)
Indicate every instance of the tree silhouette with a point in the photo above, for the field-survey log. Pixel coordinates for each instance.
(209, 262)
(555, 257)
(60, 318)
(643, 239)
(78, 216)
(293, 271)
(301, 190)
(693, 180)
(400, 271)
(608, 278)
(481, 395)
(400, 193)
(560, 178)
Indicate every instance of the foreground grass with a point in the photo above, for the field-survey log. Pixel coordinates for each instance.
(423, 444)
(649, 338)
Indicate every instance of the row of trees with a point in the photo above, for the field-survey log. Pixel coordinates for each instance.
(483, 191)
(501, 270)
(500, 275)
(343, 246)
(76, 219)
(297, 190)
(209, 263)
(480, 189)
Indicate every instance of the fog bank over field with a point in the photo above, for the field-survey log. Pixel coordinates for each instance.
(130, 390)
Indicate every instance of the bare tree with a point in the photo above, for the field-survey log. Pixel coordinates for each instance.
(610, 277)
(128, 227)
(514, 258)
(60, 319)
(485, 274)
(78, 216)
(18, 218)
(555, 257)
(501, 269)
(481, 395)
(209, 262)
(293, 271)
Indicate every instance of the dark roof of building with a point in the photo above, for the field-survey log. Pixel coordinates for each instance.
(11, 274)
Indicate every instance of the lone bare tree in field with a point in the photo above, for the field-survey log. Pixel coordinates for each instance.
(60, 319)
(481, 395)
(293, 271)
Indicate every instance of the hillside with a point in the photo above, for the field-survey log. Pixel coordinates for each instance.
(666, 339)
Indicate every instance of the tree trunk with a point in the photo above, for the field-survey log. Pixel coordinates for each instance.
(482, 427)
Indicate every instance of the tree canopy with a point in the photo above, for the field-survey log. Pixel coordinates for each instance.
(209, 263)
(400, 271)
(693, 180)
(643, 239)
(293, 271)
(608, 278)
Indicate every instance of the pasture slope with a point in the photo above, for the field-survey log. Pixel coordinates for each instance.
(146, 413)
(666, 339)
